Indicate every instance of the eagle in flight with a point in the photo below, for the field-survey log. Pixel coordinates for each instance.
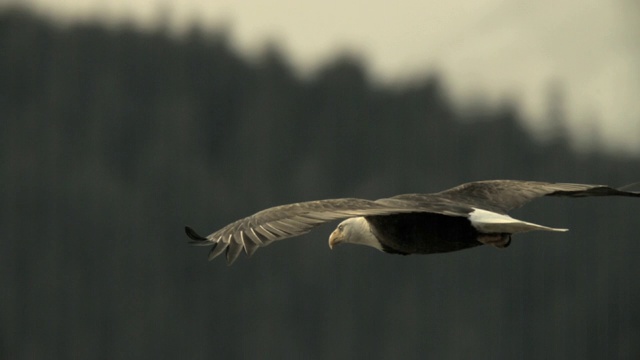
(465, 216)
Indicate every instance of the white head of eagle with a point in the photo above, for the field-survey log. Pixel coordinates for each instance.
(355, 230)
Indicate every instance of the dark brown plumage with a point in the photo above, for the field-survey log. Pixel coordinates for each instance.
(465, 216)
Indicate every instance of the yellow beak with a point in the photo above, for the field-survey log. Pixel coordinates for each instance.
(334, 238)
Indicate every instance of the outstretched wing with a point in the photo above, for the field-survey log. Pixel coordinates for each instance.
(286, 221)
(504, 195)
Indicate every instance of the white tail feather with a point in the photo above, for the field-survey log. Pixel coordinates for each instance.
(489, 222)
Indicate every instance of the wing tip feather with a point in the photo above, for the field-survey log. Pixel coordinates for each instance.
(633, 189)
(193, 234)
(216, 250)
(197, 239)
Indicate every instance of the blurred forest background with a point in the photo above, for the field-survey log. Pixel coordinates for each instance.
(113, 139)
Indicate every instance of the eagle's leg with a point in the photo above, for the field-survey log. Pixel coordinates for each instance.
(499, 240)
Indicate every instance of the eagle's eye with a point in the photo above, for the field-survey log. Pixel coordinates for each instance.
(340, 227)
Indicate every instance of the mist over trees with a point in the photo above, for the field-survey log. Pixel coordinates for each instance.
(112, 139)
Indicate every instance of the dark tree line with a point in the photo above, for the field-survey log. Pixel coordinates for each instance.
(112, 139)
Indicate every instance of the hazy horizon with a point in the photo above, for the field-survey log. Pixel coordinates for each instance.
(492, 50)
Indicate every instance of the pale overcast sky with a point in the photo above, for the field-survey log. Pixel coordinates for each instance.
(495, 48)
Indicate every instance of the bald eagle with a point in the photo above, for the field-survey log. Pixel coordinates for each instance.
(462, 217)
